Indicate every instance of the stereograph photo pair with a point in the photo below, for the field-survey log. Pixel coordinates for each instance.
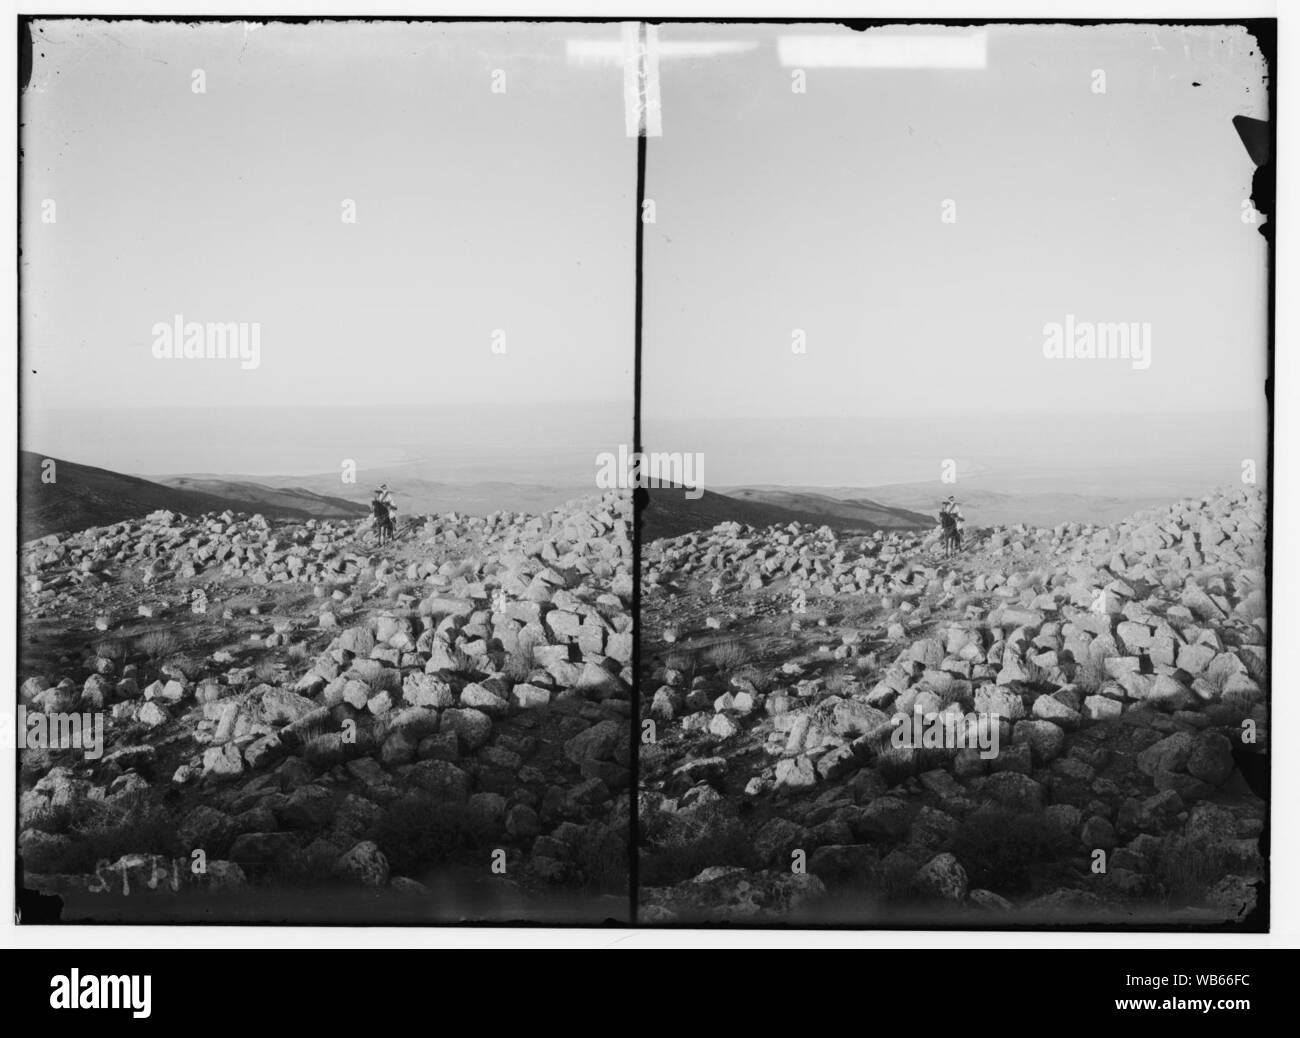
(370, 570)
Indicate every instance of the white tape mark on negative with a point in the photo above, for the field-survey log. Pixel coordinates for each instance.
(641, 106)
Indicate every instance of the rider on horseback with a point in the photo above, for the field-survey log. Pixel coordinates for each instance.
(951, 520)
(384, 511)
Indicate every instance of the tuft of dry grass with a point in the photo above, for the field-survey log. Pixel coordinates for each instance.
(1090, 675)
(520, 663)
(867, 666)
(895, 764)
(1186, 869)
(313, 733)
(111, 649)
(158, 645)
(677, 847)
(950, 694)
(102, 831)
(726, 656)
(683, 660)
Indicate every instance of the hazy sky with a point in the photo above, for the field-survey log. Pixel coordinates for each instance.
(774, 211)
(821, 211)
(476, 211)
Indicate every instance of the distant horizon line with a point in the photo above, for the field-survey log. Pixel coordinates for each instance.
(247, 476)
(723, 488)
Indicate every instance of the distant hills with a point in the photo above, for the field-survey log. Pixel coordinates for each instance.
(258, 497)
(898, 506)
(856, 511)
(671, 513)
(85, 496)
(82, 496)
(986, 507)
(414, 494)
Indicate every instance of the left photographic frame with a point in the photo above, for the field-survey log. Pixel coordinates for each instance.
(324, 616)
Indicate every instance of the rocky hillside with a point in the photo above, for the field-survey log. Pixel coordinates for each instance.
(1123, 666)
(851, 510)
(436, 729)
(274, 501)
(670, 513)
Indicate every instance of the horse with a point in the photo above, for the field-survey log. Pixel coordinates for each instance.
(951, 536)
(383, 520)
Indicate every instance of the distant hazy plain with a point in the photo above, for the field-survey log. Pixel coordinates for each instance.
(552, 444)
(1143, 455)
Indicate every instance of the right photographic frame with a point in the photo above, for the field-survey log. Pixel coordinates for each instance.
(955, 430)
